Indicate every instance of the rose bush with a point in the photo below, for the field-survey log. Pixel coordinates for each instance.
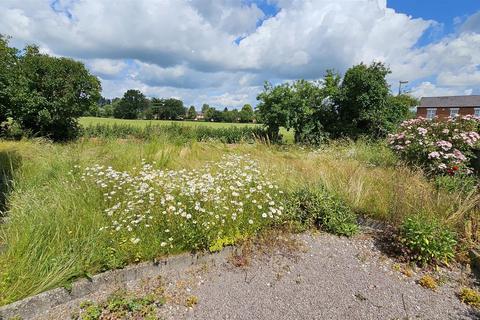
(439, 147)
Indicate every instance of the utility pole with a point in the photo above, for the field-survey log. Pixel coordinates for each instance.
(400, 86)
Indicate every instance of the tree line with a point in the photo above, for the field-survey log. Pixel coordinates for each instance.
(135, 105)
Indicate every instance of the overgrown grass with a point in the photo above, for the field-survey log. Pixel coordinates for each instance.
(52, 234)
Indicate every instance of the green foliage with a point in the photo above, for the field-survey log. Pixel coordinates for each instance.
(365, 104)
(168, 109)
(317, 206)
(8, 73)
(191, 113)
(131, 105)
(426, 240)
(121, 305)
(360, 105)
(457, 183)
(246, 114)
(54, 93)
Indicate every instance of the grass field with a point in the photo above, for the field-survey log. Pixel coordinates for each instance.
(92, 121)
(62, 221)
(86, 121)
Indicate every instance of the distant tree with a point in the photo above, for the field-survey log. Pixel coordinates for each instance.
(131, 105)
(229, 116)
(216, 115)
(210, 114)
(55, 93)
(168, 109)
(205, 108)
(246, 114)
(191, 113)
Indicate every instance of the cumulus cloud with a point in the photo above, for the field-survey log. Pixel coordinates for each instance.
(106, 67)
(428, 89)
(218, 51)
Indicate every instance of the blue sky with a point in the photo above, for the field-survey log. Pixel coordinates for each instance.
(221, 51)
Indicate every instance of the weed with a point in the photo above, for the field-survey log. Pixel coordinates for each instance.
(121, 305)
(329, 211)
(191, 301)
(470, 297)
(427, 241)
(428, 282)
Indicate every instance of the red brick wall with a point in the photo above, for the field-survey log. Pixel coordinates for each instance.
(445, 112)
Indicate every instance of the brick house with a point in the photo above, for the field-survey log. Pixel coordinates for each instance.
(451, 106)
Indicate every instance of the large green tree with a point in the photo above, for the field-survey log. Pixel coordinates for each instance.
(51, 94)
(362, 100)
(132, 104)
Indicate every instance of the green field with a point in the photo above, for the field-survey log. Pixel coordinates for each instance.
(93, 121)
(86, 121)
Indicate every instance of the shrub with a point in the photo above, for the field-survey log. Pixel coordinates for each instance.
(426, 240)
(319, 207)
(440, 147)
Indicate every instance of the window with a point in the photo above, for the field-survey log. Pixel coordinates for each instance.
(454, 112)
(477, 112)
(431, 112)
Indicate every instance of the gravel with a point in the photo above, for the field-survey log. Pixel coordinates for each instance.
(328, 278)
(335, 278)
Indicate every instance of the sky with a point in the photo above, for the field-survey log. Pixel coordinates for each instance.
(221, 52)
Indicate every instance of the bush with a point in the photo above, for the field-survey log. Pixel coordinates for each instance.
(319, 207)
(426, 240)
(440, 147)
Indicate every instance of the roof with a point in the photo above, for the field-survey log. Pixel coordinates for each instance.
(450, 101)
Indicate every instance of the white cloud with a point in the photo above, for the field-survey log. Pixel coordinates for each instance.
(188, 48)
(106, 67)
(428, 89)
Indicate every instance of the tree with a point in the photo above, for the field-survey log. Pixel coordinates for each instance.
(210, 113)
(246, 114)
(54, 93)
(168, 109)
(9, 71)
(131, 105)
(191, 113)
(205, 108)
(363, 101)
(273, 108)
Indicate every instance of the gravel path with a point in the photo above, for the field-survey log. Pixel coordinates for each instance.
(334, 278)
(328, 278)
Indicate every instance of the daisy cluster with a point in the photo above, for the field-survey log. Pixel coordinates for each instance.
(229, 197)
(439, 146)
